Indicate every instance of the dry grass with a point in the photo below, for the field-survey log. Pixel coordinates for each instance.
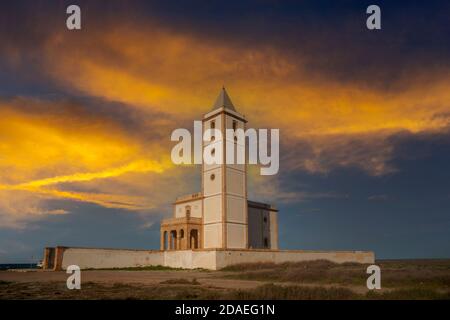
(53, 290)
(95, 291)
(276, 292)
(411, 293)
(424, 274)
(406, 279)
(311, 272)
(193, 282)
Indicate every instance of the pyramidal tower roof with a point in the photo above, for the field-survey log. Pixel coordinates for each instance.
(223, 100)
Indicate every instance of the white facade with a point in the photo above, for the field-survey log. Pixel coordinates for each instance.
(193, 208)
(224, 186)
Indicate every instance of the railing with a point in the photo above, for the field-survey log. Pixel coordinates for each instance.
(181, 220)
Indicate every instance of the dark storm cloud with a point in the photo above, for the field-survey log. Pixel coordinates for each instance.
(328, 37)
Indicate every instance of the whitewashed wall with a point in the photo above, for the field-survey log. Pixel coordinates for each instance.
(87, 258)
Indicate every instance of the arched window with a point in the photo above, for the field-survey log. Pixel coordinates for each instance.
(266, 243)
(213, 126)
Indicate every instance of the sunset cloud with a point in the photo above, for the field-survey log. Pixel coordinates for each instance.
(164, 77)
(47, 146)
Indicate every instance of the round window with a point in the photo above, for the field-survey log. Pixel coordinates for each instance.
(213, 176)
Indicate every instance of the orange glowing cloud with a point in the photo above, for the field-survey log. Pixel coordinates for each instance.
(40, 153)
(168, 78)
(178, 74)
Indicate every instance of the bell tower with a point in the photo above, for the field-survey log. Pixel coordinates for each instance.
(224, 186)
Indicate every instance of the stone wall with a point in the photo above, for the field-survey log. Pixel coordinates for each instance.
(229, 257)
(191, 259)
(92, 258)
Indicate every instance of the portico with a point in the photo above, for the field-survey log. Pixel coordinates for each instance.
(181, 233)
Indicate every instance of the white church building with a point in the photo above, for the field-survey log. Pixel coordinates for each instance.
(210, 229)
(220, 216)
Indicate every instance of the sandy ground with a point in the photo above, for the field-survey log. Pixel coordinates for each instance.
(211, 279)
(206, 279)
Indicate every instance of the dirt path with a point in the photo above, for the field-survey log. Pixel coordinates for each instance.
(206, 279)
(215, 279)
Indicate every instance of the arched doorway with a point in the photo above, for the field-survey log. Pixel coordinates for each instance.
(193, 239)
(166, 240)
(182, 242)
(173, 240)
